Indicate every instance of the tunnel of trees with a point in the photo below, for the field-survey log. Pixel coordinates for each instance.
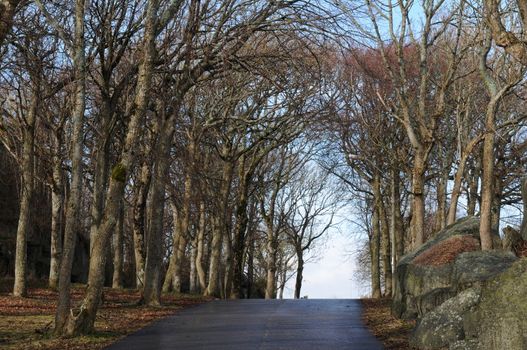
(209, 146)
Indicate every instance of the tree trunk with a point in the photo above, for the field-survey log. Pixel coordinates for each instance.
(487, 185)
(168, 284)
(193, 287)
(200, 243)
(118, 251)
(523, 228)
(57, 198)
(139, 226)
(220, 229)
(272, 252)
(154, 254)
(84, 320)
(214, 267)
(26, 198)
(418, 200)
(74, 199)
(299, 272)
(375, 247)
(386, 248)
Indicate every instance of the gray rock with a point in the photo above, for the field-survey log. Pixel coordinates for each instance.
(499, 321)
(465, 345)
(444, 325)
(472, 268)
(415, 284)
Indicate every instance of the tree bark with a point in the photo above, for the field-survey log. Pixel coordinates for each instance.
(418, 200)
(299, 272)
(74, 199)
(26, 198)
(139, 226)
(57, 198)
(385, 247)
(375, 246)
(200, 245)
(83, 321)
(118, 251)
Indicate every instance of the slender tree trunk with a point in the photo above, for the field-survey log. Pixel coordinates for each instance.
(299, 272)
(220, 229)
(375, 247)
(74, 199)
(200, 246)
(118, 252)
(441, 217)
(57, 198)
(385, 247)
(272, 252)
(523, 228)
(99, 184)
(473, 185)
(154, 256)
(397, 226)
(250, 269)
(26, 199)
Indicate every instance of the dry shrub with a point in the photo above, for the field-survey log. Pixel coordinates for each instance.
(446, 251)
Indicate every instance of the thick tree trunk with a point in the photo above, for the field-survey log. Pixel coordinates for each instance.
(168, 284)
(118, 251)
(194, 286)
(139, 227)
(26, 199)
(57, 198)
(83, 321)
(418, 199)
(214, 267)
(228, 270)
(73, 206)
(487, 186)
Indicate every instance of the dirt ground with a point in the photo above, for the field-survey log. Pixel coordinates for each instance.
(391, 331)
(27, 323)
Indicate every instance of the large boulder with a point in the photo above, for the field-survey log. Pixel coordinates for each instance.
(499, 321)
(444, 325)
(423, 278)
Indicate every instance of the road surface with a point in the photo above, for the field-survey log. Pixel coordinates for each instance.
(304, 324)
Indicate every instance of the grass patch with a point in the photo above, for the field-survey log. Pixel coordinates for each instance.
(392, 331)
(27, 323)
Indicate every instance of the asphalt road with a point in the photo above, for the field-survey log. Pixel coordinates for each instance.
(258, 324)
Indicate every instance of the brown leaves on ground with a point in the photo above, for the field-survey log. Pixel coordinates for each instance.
(446, 251)
(392, 331)
(26, 323)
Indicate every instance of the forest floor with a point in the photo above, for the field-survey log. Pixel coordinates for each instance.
(392, 331)
(26, 323)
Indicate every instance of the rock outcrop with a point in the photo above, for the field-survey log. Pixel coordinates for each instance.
(426, 277)
(463, 298)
